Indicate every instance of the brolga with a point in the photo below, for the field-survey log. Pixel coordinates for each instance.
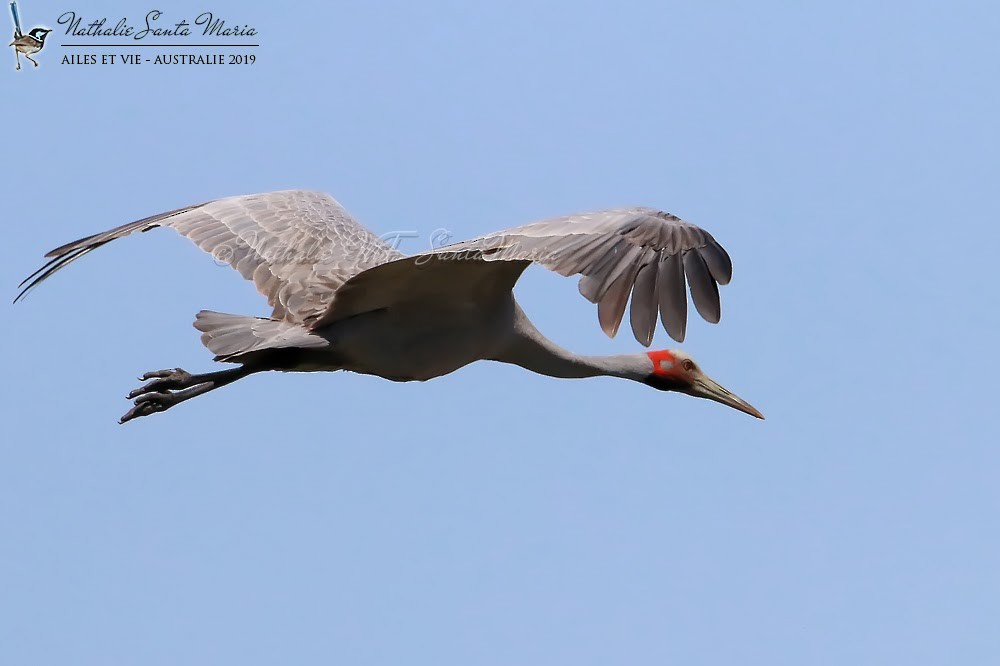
(343, 299)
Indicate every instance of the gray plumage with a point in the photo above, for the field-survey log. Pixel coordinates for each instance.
(297, 248)
(343, 299)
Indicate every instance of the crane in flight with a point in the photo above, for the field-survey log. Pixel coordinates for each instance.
(345, 300)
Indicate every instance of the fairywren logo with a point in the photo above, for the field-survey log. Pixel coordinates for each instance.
(26, 44)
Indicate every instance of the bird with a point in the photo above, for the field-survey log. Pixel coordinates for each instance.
(344, 299)
(28, 44)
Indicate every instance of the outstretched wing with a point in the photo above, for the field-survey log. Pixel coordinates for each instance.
(639, 251)
(296, 247)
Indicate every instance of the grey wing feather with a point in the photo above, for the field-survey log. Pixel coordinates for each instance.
(704, 290)
(672, 299)
(644, 305)
(639, 251)
(296, 247)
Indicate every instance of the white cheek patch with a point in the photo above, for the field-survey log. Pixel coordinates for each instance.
(666, 366)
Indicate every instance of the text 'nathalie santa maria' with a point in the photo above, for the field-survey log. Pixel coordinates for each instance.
(205, 24)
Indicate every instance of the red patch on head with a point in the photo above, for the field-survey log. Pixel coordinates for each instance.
(663, 362)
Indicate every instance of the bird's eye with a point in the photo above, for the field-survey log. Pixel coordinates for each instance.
(688, 365)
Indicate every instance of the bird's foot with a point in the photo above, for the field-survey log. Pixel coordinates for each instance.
(173, 378)
(168, 388)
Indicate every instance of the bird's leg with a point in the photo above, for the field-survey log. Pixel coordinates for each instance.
(31, 59)
(17, 56)
(170, 387)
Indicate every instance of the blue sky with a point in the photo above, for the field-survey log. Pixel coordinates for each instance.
(846, 155)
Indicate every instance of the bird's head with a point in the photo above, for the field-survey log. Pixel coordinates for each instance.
(673, 370)
(39, 33)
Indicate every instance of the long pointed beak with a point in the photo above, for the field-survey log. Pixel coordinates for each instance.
(706, 387)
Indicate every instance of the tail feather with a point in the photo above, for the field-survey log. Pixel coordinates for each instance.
(230, 336)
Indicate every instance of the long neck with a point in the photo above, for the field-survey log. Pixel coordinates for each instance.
(531, 350)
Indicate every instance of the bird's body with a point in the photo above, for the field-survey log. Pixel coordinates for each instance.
(344, 300)
(415, 344)
(405, 343)
(28, 44)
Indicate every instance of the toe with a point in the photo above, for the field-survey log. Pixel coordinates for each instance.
(152, 387)
(154, 399)
(157, 374)
(140, 409)
(136, 393)
(146, 404)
